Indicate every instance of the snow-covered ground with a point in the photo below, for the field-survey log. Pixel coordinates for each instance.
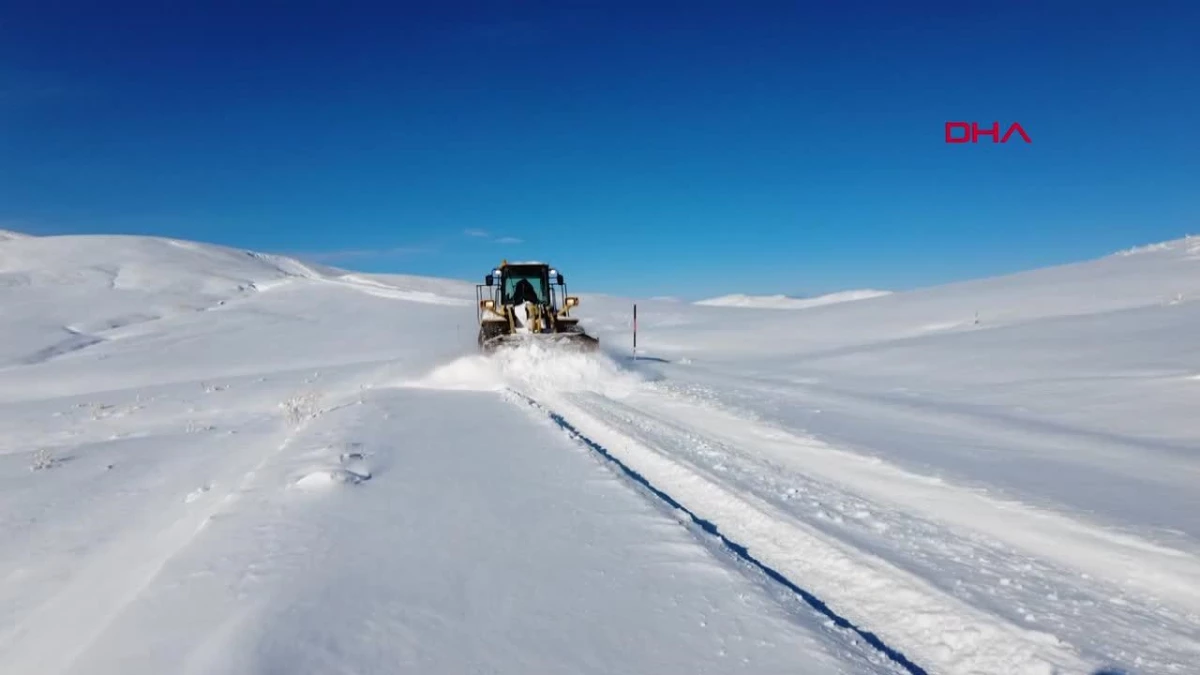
(215, 461)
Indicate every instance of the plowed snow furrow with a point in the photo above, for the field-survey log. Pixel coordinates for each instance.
(898, 660)
(935, 629)
(952, 541)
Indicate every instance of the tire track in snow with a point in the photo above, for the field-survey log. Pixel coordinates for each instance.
(1127, 561)
(906, 619)
(1017, 586)
(737, 549)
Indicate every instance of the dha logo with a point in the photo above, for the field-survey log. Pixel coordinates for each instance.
(964, 132)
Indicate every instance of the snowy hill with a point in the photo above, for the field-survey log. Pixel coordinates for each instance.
(217, 461)
(785, 302)
(6, 235)
(69, 292)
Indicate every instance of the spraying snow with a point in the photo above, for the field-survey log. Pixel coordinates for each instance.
(533, 368)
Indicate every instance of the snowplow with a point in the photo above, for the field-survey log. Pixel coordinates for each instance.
(525, 303)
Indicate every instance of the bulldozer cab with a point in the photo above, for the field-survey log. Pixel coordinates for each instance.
(526, 284)
(513, 284)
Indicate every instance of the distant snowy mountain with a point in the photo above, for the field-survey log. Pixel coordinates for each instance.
(787, 302)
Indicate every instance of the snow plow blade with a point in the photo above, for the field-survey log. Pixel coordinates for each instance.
(568, 342)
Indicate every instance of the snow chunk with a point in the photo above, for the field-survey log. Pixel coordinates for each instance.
(324, 479)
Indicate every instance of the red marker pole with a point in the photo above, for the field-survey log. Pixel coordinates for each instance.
(635, 332)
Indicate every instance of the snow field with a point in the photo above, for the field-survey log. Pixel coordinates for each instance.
(222, 461)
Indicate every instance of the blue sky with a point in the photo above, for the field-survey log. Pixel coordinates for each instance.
(675, 148)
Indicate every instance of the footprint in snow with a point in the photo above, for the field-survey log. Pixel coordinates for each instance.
(355, 463)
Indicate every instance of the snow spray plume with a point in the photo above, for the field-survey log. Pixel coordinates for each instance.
(533, 368)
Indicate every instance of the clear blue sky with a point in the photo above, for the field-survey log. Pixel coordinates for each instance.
(673, 148)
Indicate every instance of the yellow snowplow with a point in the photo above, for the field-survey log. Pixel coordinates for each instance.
(527, 303)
